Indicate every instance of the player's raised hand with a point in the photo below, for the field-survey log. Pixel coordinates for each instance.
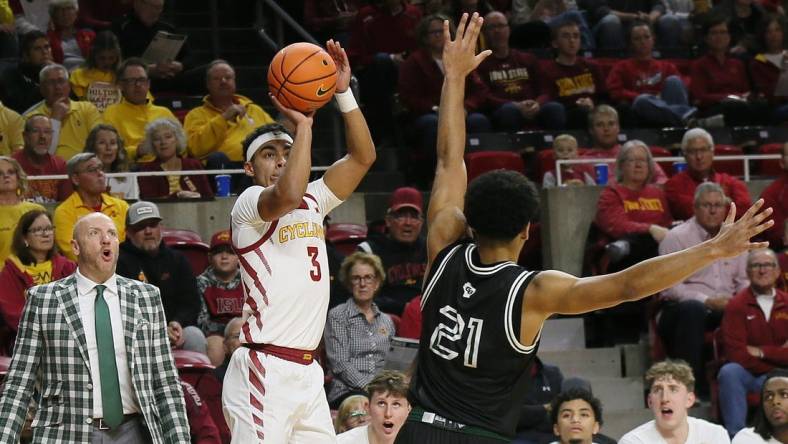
(459, 55)
(337, 52)
(295, 116)
(734, 237)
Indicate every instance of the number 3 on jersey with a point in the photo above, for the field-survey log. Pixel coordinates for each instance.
(445, 336)
(314, 273)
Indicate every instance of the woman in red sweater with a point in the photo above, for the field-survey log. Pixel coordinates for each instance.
(632, 212)
(70, 46)
(165, 138)
(766, 66)
(33, 261)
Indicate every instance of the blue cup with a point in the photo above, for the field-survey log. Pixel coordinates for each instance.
(679, 167)
(601, 173)
(222, 185)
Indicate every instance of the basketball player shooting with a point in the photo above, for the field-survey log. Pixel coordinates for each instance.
(482, 313)
(273, 389)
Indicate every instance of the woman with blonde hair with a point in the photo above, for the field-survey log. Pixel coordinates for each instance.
(352, 413)
(13, 186)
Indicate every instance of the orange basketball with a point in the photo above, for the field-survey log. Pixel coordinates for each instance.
(302, 76)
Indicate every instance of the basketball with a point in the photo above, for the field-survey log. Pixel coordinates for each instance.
(302, 76)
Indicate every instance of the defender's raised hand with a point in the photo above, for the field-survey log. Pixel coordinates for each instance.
(734, 237)
(337, 52)
(459, 55)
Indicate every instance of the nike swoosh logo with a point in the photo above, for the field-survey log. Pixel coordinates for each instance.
(321, 92)
(750, 317)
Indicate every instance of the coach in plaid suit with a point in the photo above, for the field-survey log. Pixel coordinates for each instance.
(61, 352)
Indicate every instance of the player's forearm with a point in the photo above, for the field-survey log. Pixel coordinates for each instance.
(360, 146)
(291, 186)
(451, 121)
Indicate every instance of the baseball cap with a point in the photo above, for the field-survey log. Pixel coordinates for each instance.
(406, 197)
(142, 211)
(220, 239)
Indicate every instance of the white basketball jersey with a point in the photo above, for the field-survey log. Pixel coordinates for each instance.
(284, 269)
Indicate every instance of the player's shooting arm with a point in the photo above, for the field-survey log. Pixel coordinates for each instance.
(344, 175)
(444, 216)
(557, 292)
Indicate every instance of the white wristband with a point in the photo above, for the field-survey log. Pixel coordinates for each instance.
(345, 101)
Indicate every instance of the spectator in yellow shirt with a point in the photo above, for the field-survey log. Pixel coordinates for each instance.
(11, 126)
(99, 71)
(71, 120)
(135, 109)
(86, 173)
(13, 186)
(216, 129)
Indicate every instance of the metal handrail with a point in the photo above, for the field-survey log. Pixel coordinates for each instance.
(161, 173)
(745, 158)
(283, 16)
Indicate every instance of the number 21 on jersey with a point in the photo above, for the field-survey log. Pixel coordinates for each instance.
(452, 329)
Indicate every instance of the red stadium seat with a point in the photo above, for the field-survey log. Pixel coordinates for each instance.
(667, 165)
(732, 167)
(396, 320)
(189, 244)
(345, 237)
(770, 167)
(196, 369)
(483, 161)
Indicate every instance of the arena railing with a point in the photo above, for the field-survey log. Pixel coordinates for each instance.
(160, 173)
(744, 158)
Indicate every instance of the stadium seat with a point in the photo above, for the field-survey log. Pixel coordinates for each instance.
(190, 244)
(732, 167)
(396, 320)
(484, 161)
(667, 165)
(345, 237)
(196, 369)
(769, 167)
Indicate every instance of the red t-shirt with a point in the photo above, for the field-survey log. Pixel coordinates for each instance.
(712, 81)
(44, 190)
(630, 78)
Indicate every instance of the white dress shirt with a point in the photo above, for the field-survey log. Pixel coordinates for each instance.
(87, 299)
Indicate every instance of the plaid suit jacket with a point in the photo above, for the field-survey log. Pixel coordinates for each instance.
(51, 355)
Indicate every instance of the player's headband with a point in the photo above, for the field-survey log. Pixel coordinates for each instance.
(265, 138)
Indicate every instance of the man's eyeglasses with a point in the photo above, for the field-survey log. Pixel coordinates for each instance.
(42, 231)
(709, 205)
(136, 81)
(762, 265)
(90, 170)
(367, 278)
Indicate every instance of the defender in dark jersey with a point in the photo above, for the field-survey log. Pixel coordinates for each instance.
(482, 313)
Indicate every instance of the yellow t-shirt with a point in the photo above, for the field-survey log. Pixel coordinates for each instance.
(75, 127)
(67, 213)
(82, 77)
(6, 14)
(41, 273)
(9, 218)
(11, 127)
(130, 121)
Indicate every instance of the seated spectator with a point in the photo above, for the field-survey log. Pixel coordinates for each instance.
(357, 333)
(697, 146)
(8, 41)
(534, 425)
(71, 120)
(755, 331)
(603, 125)
(388, 410)
(37, 161)
(222, 296)
(671, 394)
(95, 80)
(11, 126)
(33, 261)
(232, 340)
(576, 417)
(456, 8)
(565, 148)
(86, 173)
(145, 257)
(106, 143)
(534, 22)
(98, 14)
(743, 17)
(782, 259)
(70, 45)
(653, 89)
(420, 84)
(352, 412)
(13, 188)
(510, 76)
(136, 30)
(570, 80)
(771, 422)
(166, 139)
(766, 66)
(633, 213)
(696, 305)
(776, 196)
(719, 82)
(403, 250)
(216, 129)
(136, 109)
(202, 428)
(30, 15)
(613, 17)
(331, 20)
(19, 84)
(384, 34)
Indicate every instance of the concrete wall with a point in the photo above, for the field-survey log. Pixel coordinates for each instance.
(567, 213)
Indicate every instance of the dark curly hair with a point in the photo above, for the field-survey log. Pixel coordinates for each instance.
(499, 204)
(762, 425)
(271, 127)
(571, 395)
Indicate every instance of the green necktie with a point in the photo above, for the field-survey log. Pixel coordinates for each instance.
(108, 371)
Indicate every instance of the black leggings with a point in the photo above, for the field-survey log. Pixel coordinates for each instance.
(414, 432)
